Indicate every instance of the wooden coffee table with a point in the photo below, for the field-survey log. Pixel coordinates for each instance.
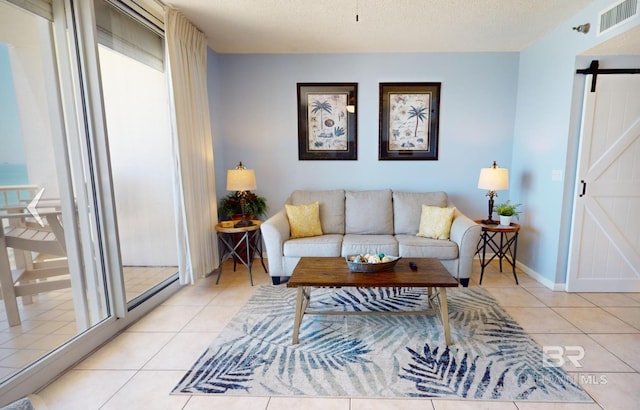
(334, 272)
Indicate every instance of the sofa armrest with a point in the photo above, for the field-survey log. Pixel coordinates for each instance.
(275, 231)
(466, 233)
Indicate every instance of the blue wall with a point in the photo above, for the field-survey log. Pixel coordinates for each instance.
(257, 121)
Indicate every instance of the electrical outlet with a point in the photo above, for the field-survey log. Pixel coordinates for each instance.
(556, 175)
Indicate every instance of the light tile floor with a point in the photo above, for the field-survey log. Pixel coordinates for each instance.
(139, 367)
(49, 321)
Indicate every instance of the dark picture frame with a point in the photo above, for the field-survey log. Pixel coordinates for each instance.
(327, 121)
(409, 121)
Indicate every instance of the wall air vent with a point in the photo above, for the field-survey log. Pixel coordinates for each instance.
(616, 15)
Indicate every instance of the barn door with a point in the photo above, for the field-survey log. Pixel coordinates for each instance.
(605, 241)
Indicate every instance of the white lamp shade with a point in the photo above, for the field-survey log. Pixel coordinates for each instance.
(241, 180)
(494, 179)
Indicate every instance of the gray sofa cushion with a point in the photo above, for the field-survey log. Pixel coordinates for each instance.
(411, 246)
(325, 245)
(369, 212)
(407, 209)
(362, 244)
(331, 207)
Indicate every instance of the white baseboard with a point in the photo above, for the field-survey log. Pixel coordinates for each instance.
(535, 275)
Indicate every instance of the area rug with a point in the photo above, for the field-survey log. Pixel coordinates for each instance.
(491, 358)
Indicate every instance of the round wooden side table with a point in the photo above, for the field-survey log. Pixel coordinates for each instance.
(241, 244)
(503, 241)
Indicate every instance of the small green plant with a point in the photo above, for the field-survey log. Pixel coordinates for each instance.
(230, 205)
(508, 209)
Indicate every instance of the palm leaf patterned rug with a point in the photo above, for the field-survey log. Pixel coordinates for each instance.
(491, 358)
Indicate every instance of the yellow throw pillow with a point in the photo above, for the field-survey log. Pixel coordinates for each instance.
(304, 220)
(435, 222)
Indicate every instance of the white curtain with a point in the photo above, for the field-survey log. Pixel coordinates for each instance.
(196, 210)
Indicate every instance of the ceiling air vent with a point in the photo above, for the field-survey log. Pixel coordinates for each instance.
(617, 15)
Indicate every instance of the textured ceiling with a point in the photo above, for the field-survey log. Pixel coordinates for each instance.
(330, 26)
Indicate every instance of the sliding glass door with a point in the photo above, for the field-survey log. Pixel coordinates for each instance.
(86, 167)
(136, 103)
(51, 267)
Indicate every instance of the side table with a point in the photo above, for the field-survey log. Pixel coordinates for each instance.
(503, 241)
(240, 244)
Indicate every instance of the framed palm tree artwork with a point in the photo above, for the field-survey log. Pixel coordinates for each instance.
(409, 121)
(327, 121)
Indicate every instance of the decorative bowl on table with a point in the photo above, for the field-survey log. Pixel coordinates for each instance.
(371, 263)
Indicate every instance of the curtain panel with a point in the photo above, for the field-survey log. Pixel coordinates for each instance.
(196, 210)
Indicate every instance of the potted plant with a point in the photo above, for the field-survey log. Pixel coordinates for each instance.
(230, 208)
(230, 205)
(506, 211)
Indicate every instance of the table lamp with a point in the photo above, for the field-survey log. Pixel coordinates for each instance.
(242, 180)
(493, 179)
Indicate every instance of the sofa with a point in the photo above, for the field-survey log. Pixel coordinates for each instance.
(361, 222)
